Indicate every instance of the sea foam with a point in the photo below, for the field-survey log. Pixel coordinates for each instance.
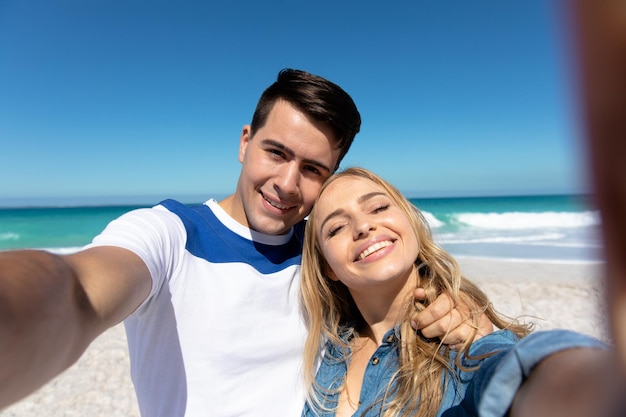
(525, 220)
(9, 236)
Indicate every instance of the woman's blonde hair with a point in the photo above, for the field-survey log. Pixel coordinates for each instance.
(330, 311)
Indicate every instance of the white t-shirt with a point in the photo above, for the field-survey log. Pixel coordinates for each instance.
(220, 333)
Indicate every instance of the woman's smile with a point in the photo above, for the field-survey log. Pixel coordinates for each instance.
(374, 248)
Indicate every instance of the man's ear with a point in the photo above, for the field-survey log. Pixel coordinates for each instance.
(243, 142)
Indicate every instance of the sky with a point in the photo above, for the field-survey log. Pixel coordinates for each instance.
(147, 99)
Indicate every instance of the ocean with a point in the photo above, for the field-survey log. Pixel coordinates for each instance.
(547, 228)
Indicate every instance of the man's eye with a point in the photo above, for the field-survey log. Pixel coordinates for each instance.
(275, 152)
(313, 170)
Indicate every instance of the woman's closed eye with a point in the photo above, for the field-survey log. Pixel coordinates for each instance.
(380, 208)
(333, 230)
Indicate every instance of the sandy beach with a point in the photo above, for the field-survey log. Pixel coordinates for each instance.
(552, 295)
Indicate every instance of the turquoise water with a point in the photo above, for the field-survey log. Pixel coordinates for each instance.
(63, 229)
(528, 227)
(563, 227)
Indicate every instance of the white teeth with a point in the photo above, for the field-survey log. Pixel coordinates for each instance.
(278, 206)
(374, 248)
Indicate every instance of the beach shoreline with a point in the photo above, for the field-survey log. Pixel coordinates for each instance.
(566, 295)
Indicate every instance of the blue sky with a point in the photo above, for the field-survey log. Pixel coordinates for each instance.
(147, 98)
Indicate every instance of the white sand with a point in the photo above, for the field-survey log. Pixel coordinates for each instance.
(550, 295)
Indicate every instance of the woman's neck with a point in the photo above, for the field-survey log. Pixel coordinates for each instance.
(382, 310)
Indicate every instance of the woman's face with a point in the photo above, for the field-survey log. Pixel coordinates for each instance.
(366, 239)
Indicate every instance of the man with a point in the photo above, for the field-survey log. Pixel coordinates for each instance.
(208, 294)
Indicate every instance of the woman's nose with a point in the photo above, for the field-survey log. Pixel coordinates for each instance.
(362, 227)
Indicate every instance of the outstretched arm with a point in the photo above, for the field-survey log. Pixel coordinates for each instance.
(549, 373)
(600, 35)
(574, 382)
(600, 30)
(52, 307)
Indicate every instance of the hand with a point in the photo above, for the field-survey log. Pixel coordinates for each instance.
(442, 315)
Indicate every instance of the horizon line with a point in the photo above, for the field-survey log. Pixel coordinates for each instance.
(153, 199)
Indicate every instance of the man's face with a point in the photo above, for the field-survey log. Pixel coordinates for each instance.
(283, 168)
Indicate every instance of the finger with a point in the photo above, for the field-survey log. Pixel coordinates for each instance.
(434, 312)
(440, 317)
(466, 330)
(442, 327)
(458, 335)
(419, 294)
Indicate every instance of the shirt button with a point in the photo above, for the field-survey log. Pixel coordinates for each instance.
(390, 338)
(375, 360)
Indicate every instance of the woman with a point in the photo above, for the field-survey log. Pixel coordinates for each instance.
(366, 250)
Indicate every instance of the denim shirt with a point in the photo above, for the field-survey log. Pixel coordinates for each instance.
(487, 391)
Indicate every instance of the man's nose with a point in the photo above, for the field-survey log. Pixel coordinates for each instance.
(288, 178)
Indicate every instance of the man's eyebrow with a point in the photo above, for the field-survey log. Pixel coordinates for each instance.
(276, 144)
(292, 154)
(360, 200)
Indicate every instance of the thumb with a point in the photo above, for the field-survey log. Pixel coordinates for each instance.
(419, 294)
